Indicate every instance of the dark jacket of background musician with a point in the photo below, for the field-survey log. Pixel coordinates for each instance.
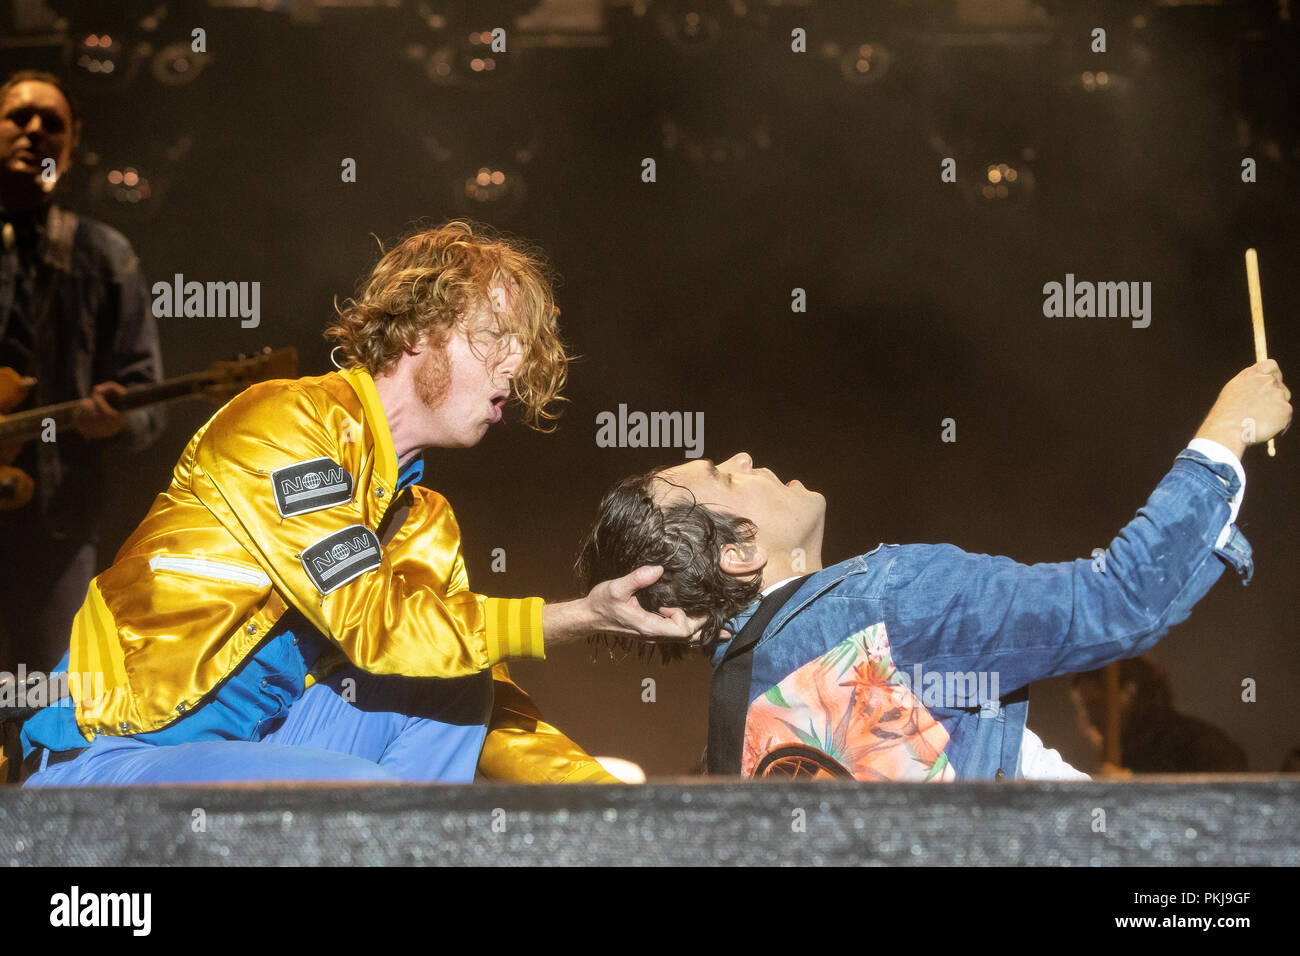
(96, 326)
(74, 312)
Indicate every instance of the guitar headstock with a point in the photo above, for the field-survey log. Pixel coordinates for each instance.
(232, 377)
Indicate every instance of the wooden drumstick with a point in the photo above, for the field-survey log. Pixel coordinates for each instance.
(1111, 751)
(1257, 316)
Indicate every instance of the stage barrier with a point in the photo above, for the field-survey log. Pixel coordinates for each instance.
(1248, 820)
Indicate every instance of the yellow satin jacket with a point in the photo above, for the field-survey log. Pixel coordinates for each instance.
(286, 498)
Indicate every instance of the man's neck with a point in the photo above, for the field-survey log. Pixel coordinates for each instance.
(787, 560)
(402, 409)
(794, 563)
(18, 196)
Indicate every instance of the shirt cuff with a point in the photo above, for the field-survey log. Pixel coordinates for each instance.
(1215, 452)
(514, 629)
(1039, 763)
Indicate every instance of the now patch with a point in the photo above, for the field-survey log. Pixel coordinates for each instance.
(308, 486)
(341, 557)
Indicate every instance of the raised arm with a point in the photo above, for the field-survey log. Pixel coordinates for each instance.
(972, 612)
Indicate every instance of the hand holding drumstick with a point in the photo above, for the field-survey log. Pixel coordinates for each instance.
(1253, 407)
(1257, 317)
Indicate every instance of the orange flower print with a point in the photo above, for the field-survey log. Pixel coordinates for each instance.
(852, 705)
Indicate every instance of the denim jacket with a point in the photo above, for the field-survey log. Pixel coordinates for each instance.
(912, 662)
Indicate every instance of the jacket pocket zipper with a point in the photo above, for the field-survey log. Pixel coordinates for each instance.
(206, 568)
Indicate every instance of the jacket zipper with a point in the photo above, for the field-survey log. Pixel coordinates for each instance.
(206, 568)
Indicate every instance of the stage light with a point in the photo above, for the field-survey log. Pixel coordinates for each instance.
(693, 26)
(1091, 82)
(99, 54)
(690, 30)
(482, 165)
(862, 63)
(488, 189)
(690, 27)
(1003, 181)
(1002, 173)
(469, 59)
(177, 64)
(488, 184)
(126, 185)
(465, 49)
(133, 187)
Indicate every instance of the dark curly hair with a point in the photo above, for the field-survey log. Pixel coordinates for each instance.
(684, 537)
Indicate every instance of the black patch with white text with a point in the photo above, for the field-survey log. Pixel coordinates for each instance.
(307, 486)
(338, 558)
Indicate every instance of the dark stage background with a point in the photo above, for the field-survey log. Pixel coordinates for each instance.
(775, 171)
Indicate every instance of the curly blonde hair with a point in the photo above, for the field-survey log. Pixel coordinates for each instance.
(433, 279)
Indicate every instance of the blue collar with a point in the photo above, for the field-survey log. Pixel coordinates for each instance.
(811, 589)
(411, 473)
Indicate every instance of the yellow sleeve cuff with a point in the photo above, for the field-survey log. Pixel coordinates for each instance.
(514, 629)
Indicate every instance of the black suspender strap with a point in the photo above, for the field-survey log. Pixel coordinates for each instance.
(729, 691)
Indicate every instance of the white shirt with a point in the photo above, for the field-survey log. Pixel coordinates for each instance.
(1039, 763)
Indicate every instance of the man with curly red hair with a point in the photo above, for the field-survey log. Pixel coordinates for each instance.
(295, 607)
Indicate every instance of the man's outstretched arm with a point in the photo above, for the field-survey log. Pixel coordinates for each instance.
(966, 612)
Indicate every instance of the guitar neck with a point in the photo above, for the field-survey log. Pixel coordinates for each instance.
(24, 426)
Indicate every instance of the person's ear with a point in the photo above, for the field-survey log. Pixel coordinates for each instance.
(742, 559)
(425, 342)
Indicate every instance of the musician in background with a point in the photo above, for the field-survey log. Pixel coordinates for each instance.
(74, 315)
(1154, 736)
